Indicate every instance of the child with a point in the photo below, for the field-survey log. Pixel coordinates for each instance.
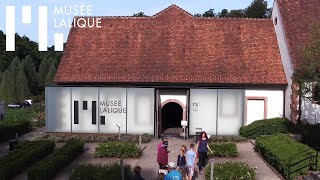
(181, 162)
(191, 157)
(184, 147)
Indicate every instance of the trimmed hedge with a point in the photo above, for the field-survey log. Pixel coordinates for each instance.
(214, 139)
(145, 138)
(231, 171)
(48, 167)
(223, 150)
(24, 155)
(9, 128)
(278, 148)
(267, 126)
(98, 172)
(310, 135)
(118, 149)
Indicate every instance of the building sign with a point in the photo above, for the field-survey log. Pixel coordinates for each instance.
(195, 106)
(112, 106)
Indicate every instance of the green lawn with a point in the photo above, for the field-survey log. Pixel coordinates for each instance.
(20, 113)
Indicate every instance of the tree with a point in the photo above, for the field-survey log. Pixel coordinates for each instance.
(31, 75)
(7, 87)
(197, 15)
(223, 13)
(0, 77)
(307, 75)
(257, 9)
(43, 71)
(139, 14)
(51, 74)
(237, 13)
(22, 86)
(209, 13)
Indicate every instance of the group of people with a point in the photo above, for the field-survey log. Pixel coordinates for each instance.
(185, 166)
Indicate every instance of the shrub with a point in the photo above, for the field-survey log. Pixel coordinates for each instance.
(98, 172)
(231, 171)
(118, 149)
(267, 126)
(48, 167)
(9, 128)
(277, 149)
(105, 138)
(227, 139)
(24, 155)
(223, 149)
(310, 135)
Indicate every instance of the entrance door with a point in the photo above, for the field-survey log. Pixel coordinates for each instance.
(256, 110)
(171, 116)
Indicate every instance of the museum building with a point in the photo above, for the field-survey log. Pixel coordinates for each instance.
(171, 73)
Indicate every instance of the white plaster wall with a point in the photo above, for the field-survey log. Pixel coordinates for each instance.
(274, 101)
(285, 56)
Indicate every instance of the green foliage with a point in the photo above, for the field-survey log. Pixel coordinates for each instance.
(118, 149)
(22, 86)
(278, 148)
(24, 155)
(8, 129)
(43, 71)
(48, 167)
(51, 74)
(99, 172)
(227, 139)
(209, 13)
(31, 74)
(223, 149)
(310, 135)
(231, 171)
(139, 14)
(267, 126)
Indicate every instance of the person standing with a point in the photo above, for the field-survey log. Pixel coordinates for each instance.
(173, 174)
(202, 150)
(137, 174)
(162, 157)
(181, 162)
(191, 158)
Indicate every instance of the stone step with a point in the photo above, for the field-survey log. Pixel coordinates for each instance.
(308, 177)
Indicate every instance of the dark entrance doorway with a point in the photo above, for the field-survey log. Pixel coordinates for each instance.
(171, 116)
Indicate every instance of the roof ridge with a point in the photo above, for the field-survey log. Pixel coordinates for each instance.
(173, 6)
(235, 18)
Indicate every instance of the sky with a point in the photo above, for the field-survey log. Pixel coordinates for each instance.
(102, 8)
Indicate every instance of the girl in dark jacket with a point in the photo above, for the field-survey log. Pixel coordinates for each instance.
(181, 162)
(202, 150)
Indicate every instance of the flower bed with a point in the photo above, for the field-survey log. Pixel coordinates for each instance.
(98, 172)
(118, 149)
(48, 167)
(231, 171)
(223, 149)
(277, 150)
(24, 155)
(266, 126)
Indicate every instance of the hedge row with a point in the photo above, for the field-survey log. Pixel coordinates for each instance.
(48, 167)
(277, 149)
(223, 149)
(227, 139)
(145, 138)
(231, 171)
(9, 128)
(267, 126)
(310, 135)
(118, 149)
(98, 172)
(24, 155)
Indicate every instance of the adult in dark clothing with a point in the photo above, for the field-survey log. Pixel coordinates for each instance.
(202, 150)
(137, 174)
(181, 162)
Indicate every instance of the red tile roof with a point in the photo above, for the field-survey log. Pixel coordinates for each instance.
(173, 47)
(299, 17)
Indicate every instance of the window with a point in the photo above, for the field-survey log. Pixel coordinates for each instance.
(76, 112)
(103, 120)
(85, 105)
(316, 93)
(94, 112)
(275, 21)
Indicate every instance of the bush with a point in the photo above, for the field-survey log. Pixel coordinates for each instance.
(118, 149)
(227, 139)
(48, 167)
(223, 149)
(267, 126)
(231, 171)
(278, 148)
(8, 129)
(105, 138)
(98, 172)
(310, 135)
(24, 155)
